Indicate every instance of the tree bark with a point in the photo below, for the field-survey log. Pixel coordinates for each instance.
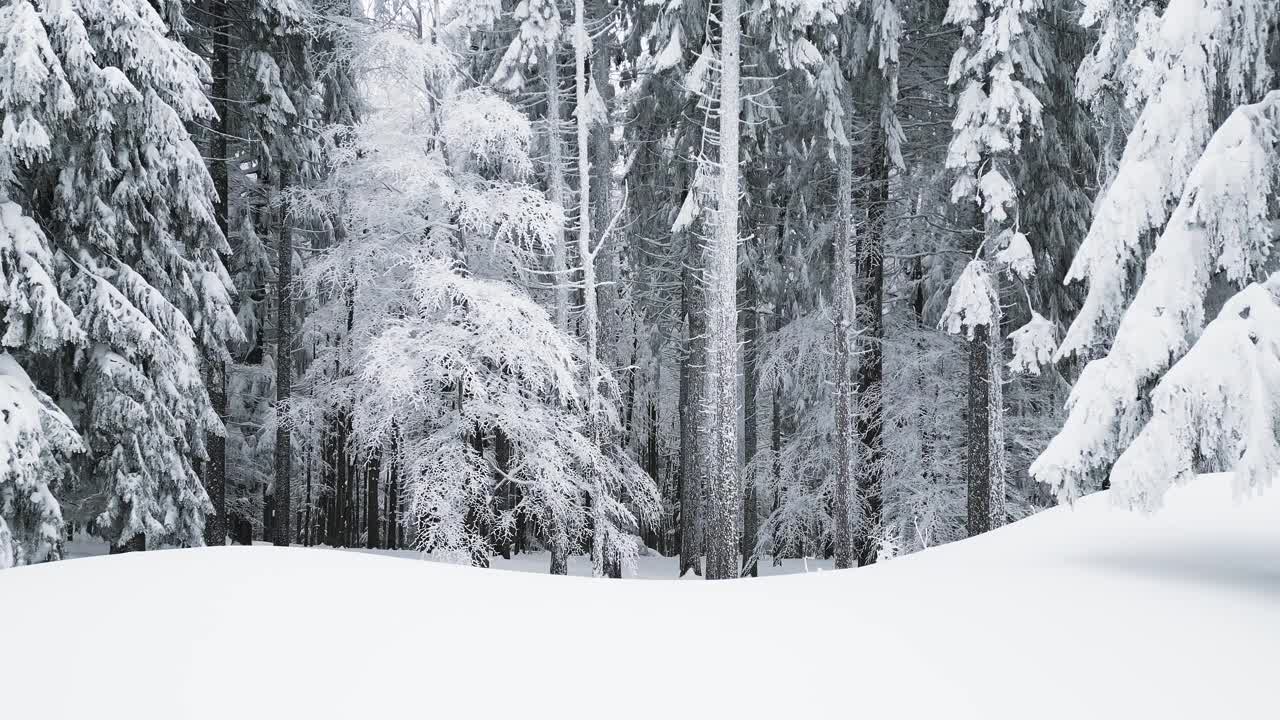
(978, 462)
(372, 471)
(306, 521)
(692, 444)
(555, 189)
(284, 372)
(215, 475)
(750, 430)
(590, 309)
(844, 308)
(870, 366)
(393, 508)
(725, 496)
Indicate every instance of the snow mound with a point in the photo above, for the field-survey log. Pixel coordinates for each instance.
(1091, 611)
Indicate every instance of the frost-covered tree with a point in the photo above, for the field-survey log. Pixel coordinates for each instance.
(995, 107)
(95, 149)
(37, 439)
(1147, 301)
(458, 374)
(1211, 407)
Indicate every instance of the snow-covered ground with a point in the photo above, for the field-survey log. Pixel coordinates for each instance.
(652, 567)
(1091, 612)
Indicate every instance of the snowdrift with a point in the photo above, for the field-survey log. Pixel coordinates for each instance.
(1090, 611)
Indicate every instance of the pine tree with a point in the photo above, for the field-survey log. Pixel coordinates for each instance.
(1211, 406)
(100, 156)
(994, 108)
(1195, 59)
(37, 439)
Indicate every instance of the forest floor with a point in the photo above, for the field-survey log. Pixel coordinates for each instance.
(648, 567)
(1084, 612)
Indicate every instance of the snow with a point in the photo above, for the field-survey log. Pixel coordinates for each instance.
(1092, 611)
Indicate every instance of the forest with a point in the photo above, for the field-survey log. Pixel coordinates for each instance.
(733, 281)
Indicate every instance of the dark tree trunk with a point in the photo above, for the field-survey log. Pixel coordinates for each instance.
(692, 370)
(372, 471)
(215, 469)
(338, 527)
(559, 557)
(268, 516)
(284, 372)
(978, 462)
(750, 438)
(869, 376)
(502, 459)
(775, 421)
(306, 521)
(393, 510)
(215, 475)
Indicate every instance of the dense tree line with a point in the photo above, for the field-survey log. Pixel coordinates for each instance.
(733, 280)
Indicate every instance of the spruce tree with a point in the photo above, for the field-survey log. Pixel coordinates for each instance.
(96, 150)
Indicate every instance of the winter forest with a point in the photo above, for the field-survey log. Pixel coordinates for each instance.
(729, 281)
(682, 289)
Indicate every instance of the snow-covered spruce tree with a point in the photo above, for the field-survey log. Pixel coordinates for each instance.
(37, 439)
(994, 108)
(95, 150)
(1191, 63)
(1213, 403)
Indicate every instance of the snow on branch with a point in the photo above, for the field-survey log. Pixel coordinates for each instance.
(487, 130)
(34, 435)
(973, 302)
(1178, 65)
(1033, 345)
(1217, 409)
(1221, 224)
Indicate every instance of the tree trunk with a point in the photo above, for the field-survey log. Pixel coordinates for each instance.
(372, 471)
(725, 496)
(555, 189)
(393, 509)
(215, 475)
(750, 434)
(590, 310)
(844, 309)
(870, 366)
(602, 208)
(692, 443)
(502, 459)
(978, 462)
(306, 522)
(284, 371)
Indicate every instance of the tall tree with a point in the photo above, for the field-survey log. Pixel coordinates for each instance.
(725, 487)
(994, 109)
(1197, 60)
(102, 160)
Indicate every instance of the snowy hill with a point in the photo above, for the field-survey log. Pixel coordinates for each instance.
(1091, 612)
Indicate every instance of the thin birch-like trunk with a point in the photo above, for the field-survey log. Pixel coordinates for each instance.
(590, 313)
(555, 167)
